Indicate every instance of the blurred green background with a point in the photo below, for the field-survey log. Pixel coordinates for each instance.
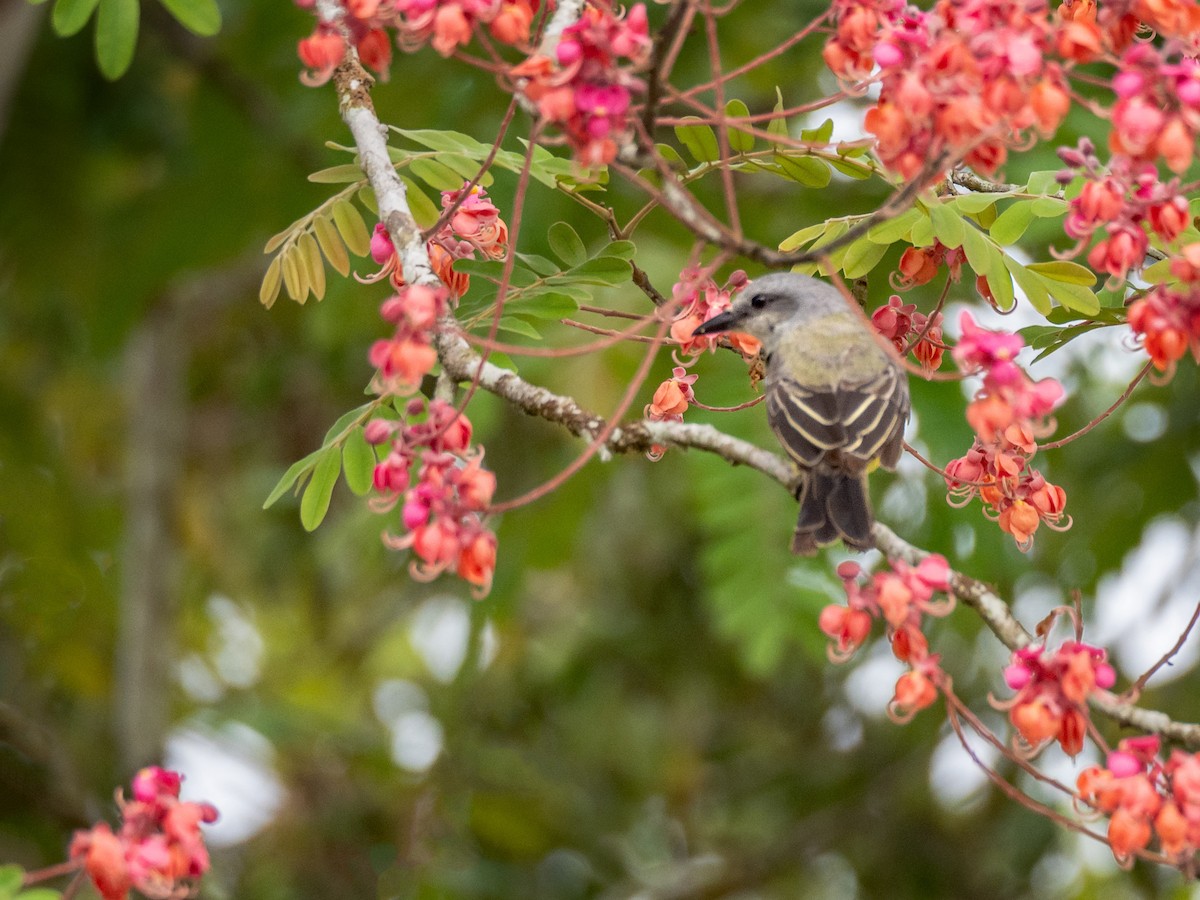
(642, 706)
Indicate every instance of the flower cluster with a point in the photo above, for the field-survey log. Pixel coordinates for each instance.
(900, 596)
(445, 490)
(449, 24)
(402, 360)
(1052, 693)
(1157, 112)
(971, 77)
(1147, 798)
(696, 298)
(446, 24)
(908, 329)
(1008, 414)
(920, 265)
(1121, 202)
(324, 49)
(670, 402)
(1167, 317)
(159, 849)
(475, 226)
(584, 89)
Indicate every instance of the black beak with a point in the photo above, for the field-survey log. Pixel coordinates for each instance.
(718, 323)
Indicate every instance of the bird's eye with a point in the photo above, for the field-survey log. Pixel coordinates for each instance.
(758, 301)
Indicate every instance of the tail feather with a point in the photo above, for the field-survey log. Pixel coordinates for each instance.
(833, 505)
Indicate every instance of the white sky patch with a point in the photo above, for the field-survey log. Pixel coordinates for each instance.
(236, 647)
(872, 683)
(957, 782)
(1142, 609)
(843, 728)
(417, 739)
(440, 631)
(231, 767)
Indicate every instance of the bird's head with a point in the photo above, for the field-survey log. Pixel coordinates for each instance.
(773, 301)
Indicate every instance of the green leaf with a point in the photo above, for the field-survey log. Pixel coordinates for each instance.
(539, 264)
(1158, 273)
(834, 229)
(11, 877)
(202, 17)
(981, 254)
(895, 229)
(424, 211)
(806, 170)
(739, 141)
(974, 203)
(857, 171)
(1073, 296)
(671, 155)
(519, 326)
(334, 432)
(921, 234)
(294, 471)
(331, 244)
(343, 174)
(1045, 182)
(551, 305)
(449, 141)
(621, 249)
(947, 225)
(566, 244)
(69, 16)
(358, 463)
(819, 135)
(778, 124)
(1064, 270)
(116, 36)
(1031, 285)
(798, 239)
(351, 227)
(1001, 286)
(315, 502)
(466, 167)
(608, 270)
(436, 175)
(1048, 207)
(1011, 224)
(861, 257)
(700, 141)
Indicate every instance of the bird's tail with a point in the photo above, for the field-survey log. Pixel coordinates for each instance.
(833, 505)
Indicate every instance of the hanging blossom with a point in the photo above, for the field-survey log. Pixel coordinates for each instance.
(1052, 693)
(1126, 203)
(159, 848)
(431, 471)
(1009, 413)
(475, 227)
(901, 324)
(972, 77)
(1147, 799)
(587, 88)
(1167, 317)
(900, 596)
(1157, 111)
(670, 402)
(696, 299)
(920, 265)
(450, 24)
(325, 48)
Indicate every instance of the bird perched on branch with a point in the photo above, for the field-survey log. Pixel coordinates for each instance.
(836, 399)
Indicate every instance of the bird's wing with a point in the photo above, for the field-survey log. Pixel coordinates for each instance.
(848, 424)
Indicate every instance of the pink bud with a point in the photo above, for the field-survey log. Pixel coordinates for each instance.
(377, 431)
(887, 55)
(569, 52)
(1123, 764)
(382, 248)
(1106, 676)
(1017, 676)
(1126, 84)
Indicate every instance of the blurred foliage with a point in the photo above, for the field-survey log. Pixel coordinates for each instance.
(643, 705)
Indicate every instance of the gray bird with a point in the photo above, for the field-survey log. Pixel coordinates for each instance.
(836, 400)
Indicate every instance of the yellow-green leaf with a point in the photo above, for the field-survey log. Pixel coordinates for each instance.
(739, 141)
(358, 463)
(1073, 296)
(315, 502)
(202, 17)
(1011, 224)
(314, 266)
(331, 245)
(116, 36)
(699, 139)
(861, 257)
(70, 16)
(895, 229)
(269, 289)
(947, 225)
(1065, 271)
(343, 174)
(1033, 287)
(798, 239)
(351, 227)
